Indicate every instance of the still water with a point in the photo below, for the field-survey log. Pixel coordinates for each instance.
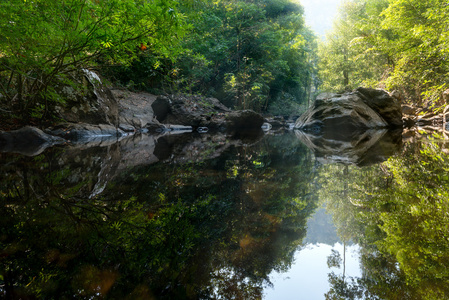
(286, 216)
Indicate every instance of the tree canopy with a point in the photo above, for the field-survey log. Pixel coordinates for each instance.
(41, 42)
(249, 53)
(392, 44)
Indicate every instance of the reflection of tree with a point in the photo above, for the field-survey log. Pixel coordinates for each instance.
(398, 213)
(197, 230)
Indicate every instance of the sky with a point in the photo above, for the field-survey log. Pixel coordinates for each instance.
(320, 14)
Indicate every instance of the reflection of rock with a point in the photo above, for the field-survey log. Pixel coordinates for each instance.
(137, 150)
(28, 141)
(358, 110)
(83, 170)
(86, 133)
(362, 148)
(192, 148)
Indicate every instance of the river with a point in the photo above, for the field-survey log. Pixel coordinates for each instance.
(198, 216)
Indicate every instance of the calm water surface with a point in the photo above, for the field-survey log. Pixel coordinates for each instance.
(288, 216)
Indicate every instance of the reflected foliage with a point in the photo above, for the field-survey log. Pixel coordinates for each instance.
(397, 212)
(197, 230)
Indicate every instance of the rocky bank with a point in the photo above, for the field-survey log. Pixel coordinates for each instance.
(96, 115)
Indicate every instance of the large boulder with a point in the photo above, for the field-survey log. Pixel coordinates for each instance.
(87, 100)
(345, 112)
(386, 105)
(352, 111)
(195, 111)
(135, 110)
(244, 120)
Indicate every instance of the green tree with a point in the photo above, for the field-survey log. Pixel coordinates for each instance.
(42, 42)
(420, 47)
(393, 44)
(249, 54)
(351, 55)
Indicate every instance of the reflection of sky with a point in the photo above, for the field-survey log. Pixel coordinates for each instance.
(307, 278)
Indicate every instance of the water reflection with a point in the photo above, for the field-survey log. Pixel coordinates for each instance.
(308, 277)
(197, 224)
(362, 148)
(210, 217)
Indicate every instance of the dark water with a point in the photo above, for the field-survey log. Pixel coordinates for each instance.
(287, 216)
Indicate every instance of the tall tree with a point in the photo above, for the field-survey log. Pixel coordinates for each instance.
(41, 42)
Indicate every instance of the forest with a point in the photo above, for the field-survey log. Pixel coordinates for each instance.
(392, 44)
(250, 54)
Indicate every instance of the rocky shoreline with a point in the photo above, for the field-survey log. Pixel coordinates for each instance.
(97, 115)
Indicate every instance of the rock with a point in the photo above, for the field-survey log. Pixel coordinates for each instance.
(409, 121)
(154, 128)
(127, 128)
(202, 129)
(388, 107)
(408, 110)
(358, 110)
(135, 108)
(91, 102)
(323, 97)
(397, 95)
(276, 123)
(192, 111)
(244, 120)
(179, 128)
(161, 108)
(29, 141)
(266, 126)
(347, 112)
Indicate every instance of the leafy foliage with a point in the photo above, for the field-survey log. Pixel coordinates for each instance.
(249, 54)
(43, 41)
(395, 44)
